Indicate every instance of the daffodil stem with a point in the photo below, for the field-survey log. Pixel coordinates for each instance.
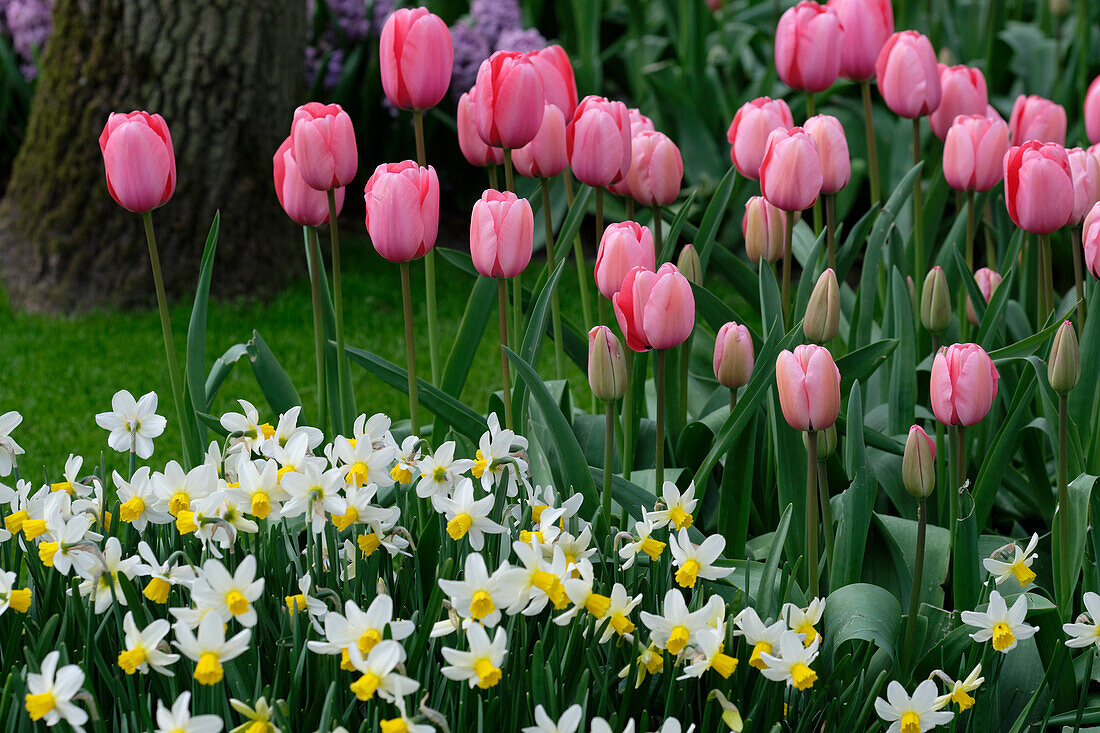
(338, 306)
(410, 349)
(578, 255)
(918, 210)
(872, 146)
(659, 383)
(502, 303)
(914, 595)
(318, 324)
(1065, 581)
(555, 301)
(788, 239)
(811, 513)
(608, 463)
(1078, 279)
(830, 228)
(826, 511)
(1084, 690)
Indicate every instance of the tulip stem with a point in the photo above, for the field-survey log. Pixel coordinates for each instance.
(1048, 278)
(578, 255)
(970, 231)
(1065, 582)
(509, 175)
(811, 108)
(914, 594)
(517, 309)
(506, 380)
(555, 301)
(918, 210)
(599, 216)
(338, 306)
(429, 264)
(314, 262)
(964, 531)
(685, 361)
(628, 202)
(788, 238)
(410, 348)
(608, 462)
(418, 127)
(659, 383)
(811, 512)
(826, 511)
(658, 238)
(872, 145)
(830, 228)
(493, 181)
(1040, 284)
(1078, 279)
(628, 416)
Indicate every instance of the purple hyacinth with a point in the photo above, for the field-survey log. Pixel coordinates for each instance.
(471, 48)
(29, 23)
(521, 39)
(494, 17)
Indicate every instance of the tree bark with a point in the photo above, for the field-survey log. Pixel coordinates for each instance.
(225, 74)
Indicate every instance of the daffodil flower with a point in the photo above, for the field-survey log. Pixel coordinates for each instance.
(17, 599)
(50, 692)
(1019, 566)
(178, 718)
(804, 621)
(467, 517)
(141, 652)
(377, 673)
(763, 639)
(246, 431)
(478, 595)
(696, 561)
(139, 504)
(1085, 631)
(792, 665)
(359, 629)
(645, 542)
(1003, 625)
(958, 691)
(710, 655)
(617, 618)
(314, 492)
(209, 648)
(162, 576)
(177, 489)
(569, 721)
(231, 595)
(676, 627)
(914, 714)
(9, 449)
(132, 424)
(480, 666)
(440, 471)
(678, 508)
(101, 584)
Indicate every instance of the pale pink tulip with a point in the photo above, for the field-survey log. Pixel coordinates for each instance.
(544, 157)
(963, 384)
(598, 141)
(908, 75)
(656, 169)
(304, 204)
(324, 145)
(973, 153)
(808, 383)
(415, 56)
(832, 149)
(790, 174)
(508, 101)
(733, 355)
(963, 93)
(867, 24)
(139, 159)
(502, 229)
(808, 46)
(625, 245)
(470, 143)
(748, 133)
(1038, 186)
(1036, 118)
(402, 203)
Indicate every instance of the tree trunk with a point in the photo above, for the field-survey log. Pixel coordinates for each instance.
(225, 75)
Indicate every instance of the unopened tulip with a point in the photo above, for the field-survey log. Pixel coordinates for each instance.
(508, 101)
(559, 84)
(139, 159)
(973, 153)
(748, 133)
(1090, 240)
(502, 229)
(689, 264)
(656, 169)
(988, 280)
(733, 355)
(1092, 111)
(908, 75)
(808, 383)
(963, 93)
(544, 157)
(935, 302)
(963, 384)
(918, 464)
(1085, 169)
(302, 203)
(624, 246)
(823, 310)
(629, 305)
(324, 145)
(606, 364)
(764, 229)
(1036, 118)
(669, 311)
(415, 56)
(1064, 365)
(639, 123)
(790, 174)
(826, 442)
(470, 143)
(402, 201)
(1038, 186)
(808, 46)
(598, 141)
(867, 24)
(832, 149)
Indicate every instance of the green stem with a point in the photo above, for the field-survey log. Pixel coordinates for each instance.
(1078, 280)
(318, 324)
(918, 210)
(555, 301)
(608, 463)
(1065, 581)
(658, 238)
(1040, 284)
(410, 349)
(1048, 279)
(659, 383)
(429, 267)
(830, 228)
(494, 182)
(788, 237)
(685, 359)
(578, 254)
(970, 231)
(628, 203)
(509, 176)
(914, 594)
(811, 513)
(505, 377)
(990, 248)
(628, 417)
(418, 126)
(872, 144)
(811, 108)
(826, 511)
(1083, 699)
(338, 305)
(599, 216)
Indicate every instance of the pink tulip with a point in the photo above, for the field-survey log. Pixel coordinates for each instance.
(544, 157)
(669, 311)
(1038, 186)
(832, 148)
(764, 229)
(1092, 111)
(324, 145)
(598, 141)
(1085, 169)
(908, 75)
(964, 93)
(638, 123)
(808, 383)
(502, 231)
(1090, 240)
(733, 356)
(988, 280)
(606, 364)
(139, 159)
(656, 169)
(470, 143)
(508, 101)
(302, 203)
(559, 85)
(624, 246)
(808, 46)
(402, 202)
(748, 133)
(973, 153)
(963, 384)
(790, 174)
(629, 305)
(867, 24)
(1036, 118)
(415, 56)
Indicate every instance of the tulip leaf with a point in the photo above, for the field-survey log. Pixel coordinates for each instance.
(859, 365)
(669, 245)
(903, 370)
(479, 309)
(716, 312)
(1027, 346)
(855, 504)
(195, 366)
(712, 217)
(274, 382)
(572, 224)
(1002, 448)
(219, 371)
(769, 605)
(862, 611)
(973, 292)
(1080, 494)
(994, 312)
(853, 242)
(536, 333)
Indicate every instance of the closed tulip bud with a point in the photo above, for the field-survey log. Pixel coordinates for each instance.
(867, 24)
(324, 145)
(559, 84)
(908, 75)
(823, 310)
(598, 141)
(974, 152)
(669, 311)
(988, 280)
(656, 169)
(415, 56)
(502, 229)
(139, 159)
(1092, 111)
(733, 355)
(1085, 169)
(808, 46)
(748, 133)
(1038, 186)
(832, 148)
(302, 203)
(1064, 365)
(935, 302)
(790, 174)
(1036, 118)
(545, 155)
(688, 263)
(629, 305)
(826, 442)
(808, 383)
(508, 100)
(402, 202)
(606, 365)
(918, 464)
(963, 384)
(470, 143)
(624, 246)
(764, 229)
(963, 93)
(1090, 240)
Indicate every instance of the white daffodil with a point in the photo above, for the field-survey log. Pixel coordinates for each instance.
(375, 430)
(569, 721)
(673, 725)
(644, 543)
(1019, 566)
(304, 601)
(162, 576)
(209, 648)
(178, 719)
(142, 651)
(403, 723)
(804, 620)
(617, 617)
(9, 449)
(528, 588)
(358, 509)
(362, 463)
(481, 665)
(499, 458)
(575, 548)
(50, 693)
(70, 544)
(440, 471)
(17, 599)
(709, 655)
(293, 455)
(231, 595)
(132, 424)
(287, 430)
(72, 484)
(466, 517)
(696, 561)
(580, 592)
(101, 584)
(675, 627)
(914, 714)
(139, 504)
(678, 508)
(599, 725)
(177, 489)
(257, 716)
(258, 489)
(246, 432)
(377, 672)
(763, 639)
(1003, 625)
(958, 691)
(407, 461)
(478, 595)
(219, 518)
(95, 504)
(793, 663)
(1085, 631)
(315, 494)
(363, 630)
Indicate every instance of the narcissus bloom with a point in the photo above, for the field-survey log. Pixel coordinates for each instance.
(209, 648)
(569, 721)
(677, 509)
(710, 656)
(1003, 625)
(911, 714)
(804, 620)
(1020, 565)
(377, 672)
(230, 595)
(142, 651)
(481, 665)
(696, 561)
(50, 692)
(132, 424)
(762, 638)
(958, 691)
(1085, 631)
(793, 663)
(178, 718)
(675, 627)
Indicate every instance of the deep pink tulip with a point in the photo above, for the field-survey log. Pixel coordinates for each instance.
(1036, 118)
(790, 174)
(733, 355)
(832, 149)
(808, 46)
(963, 384)
(402, 202)
(629, 305)
(668, 314)
(808, 383)
(625, 245)
(502, 230)
(508, 101)
(302, 203)
(974, 152)
(1090, 240)
(963, 93)
(908, 75)
(598, 141)
(139, 159)
(1085, 169)
(1092, 111)
(764, 229)
(559, 85)
(656, 169)
(544, 157)
(324, 145)
(867, 24)
(748, 133)
(1038, 186)
(470, 143)
(415, 56)
(988, 280)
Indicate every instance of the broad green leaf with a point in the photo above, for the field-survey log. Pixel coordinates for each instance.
(862, 611)
(219, 371)
(1002, 448)
(712, 217)
(195, 366)
(274, 382)
(769, 604)
(536, 333)
(669, 245)
(855, 504)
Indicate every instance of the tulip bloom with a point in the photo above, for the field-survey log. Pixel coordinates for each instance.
(1036, 118)
(1090, 240)
(402, 201)
(415, 56)
(748, 133)
(502, 229)
(764, 229)
(963, 93)
(544, 157)
(559, 84)
(832, 148)
(790, 174)
(808, 46)
(669, 310)
(598, 141)
(867, 24)
(1092, 111)
(139, 159)
(638, 123)
(470, 143)
(624, 246)
(508, 101)
(324, 145)
(808, 383)
(1085, 169)
(908, 75)
(988, 280)
(973, 153)
(656, 169)
(963, 384)
(733, 355)
(302, 203)
(1038, 186)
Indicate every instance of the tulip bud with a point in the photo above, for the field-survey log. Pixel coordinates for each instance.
(790, 174)
(974, 151)
(826, 442)
(823, 311)
(808, 42)
(963, 384)
(935, 302)
(402, 205)
(733, 356)
(324, 145)
(748, 133)
(606, 364)
(415, 56)
(139, 159)
(808, 383)
(764, 229)
(1036, 118)
(988, 281)
(689, 265)
(1064, 365)
(598, 141)
(1038, 187)
(1092, 111)
(908, 75)
(918, 464)
(508, 100)
(501, 233)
